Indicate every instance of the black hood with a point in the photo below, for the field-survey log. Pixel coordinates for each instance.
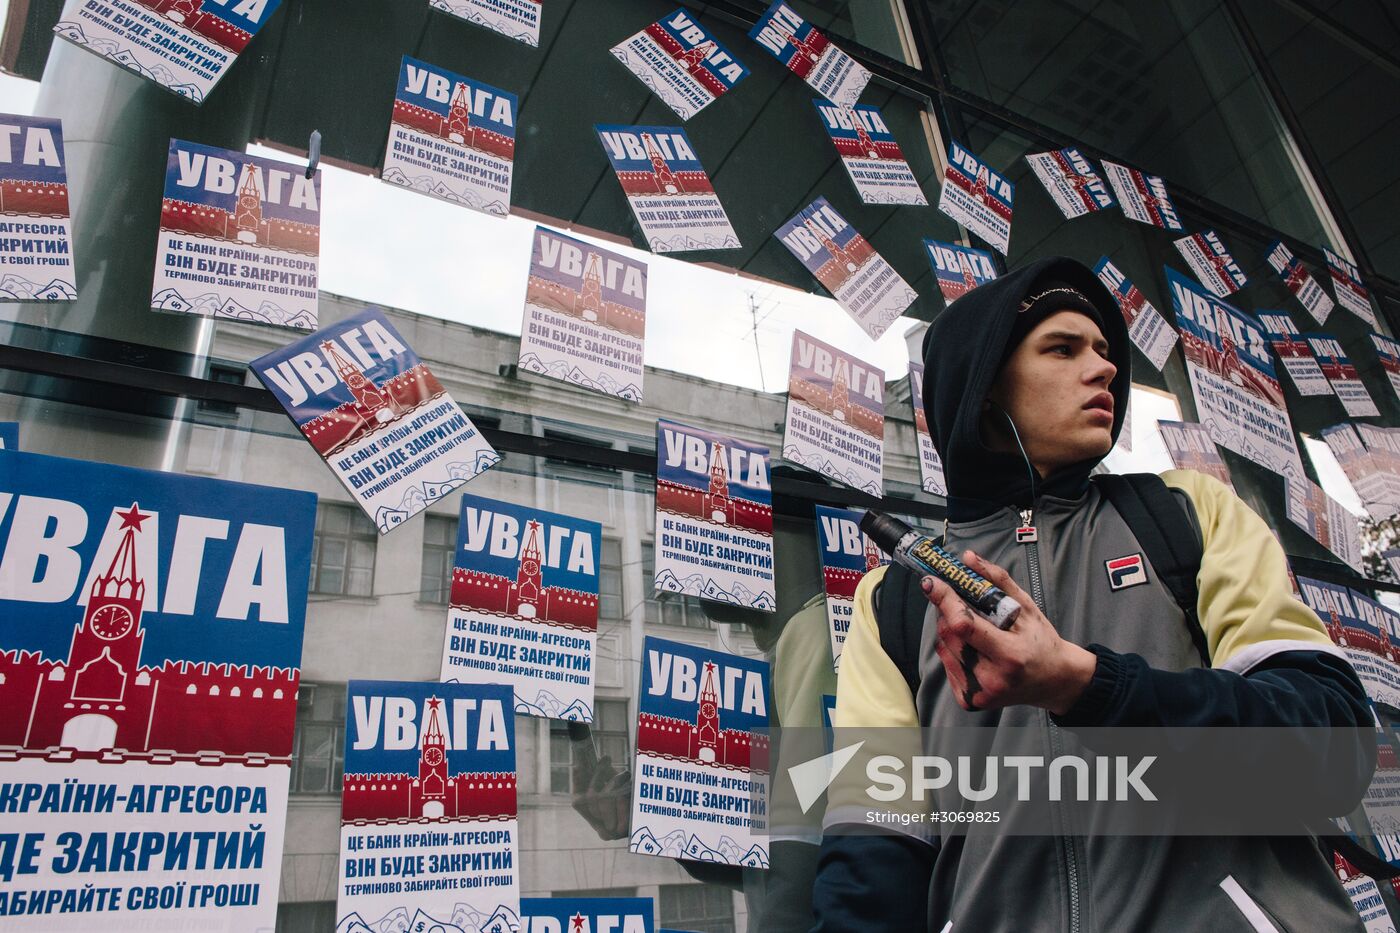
(963, 351)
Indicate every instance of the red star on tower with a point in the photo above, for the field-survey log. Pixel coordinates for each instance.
(132, 517)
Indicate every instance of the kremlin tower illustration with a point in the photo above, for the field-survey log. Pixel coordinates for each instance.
(703, 740)
(206, 23)
(101, 701)
(456, 126)
(661, 178)
(372, 405)
(246, 224)
(526, 597)
(435, 792)
(842, 261)
(835, 401)
(714, 504)
(584, 299)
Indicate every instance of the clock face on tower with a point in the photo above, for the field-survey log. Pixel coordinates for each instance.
(707, 709)
(111, 622)
(531, 567)
(433, 756)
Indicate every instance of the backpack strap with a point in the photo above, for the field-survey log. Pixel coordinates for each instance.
(1169, 540)
(899, 613)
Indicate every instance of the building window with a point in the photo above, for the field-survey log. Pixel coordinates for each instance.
(669, 608)
(610, 737)
(439, 548)
(571, 471)
(702, 908)
(318, 745)
(342, 557)
(306, 917)
(228, 375)
(610, 607)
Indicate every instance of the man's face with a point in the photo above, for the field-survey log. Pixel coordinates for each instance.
(1055, 388)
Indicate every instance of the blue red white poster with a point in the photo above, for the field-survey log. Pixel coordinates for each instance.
(377, 416)
(587, 915)
(1070, 180)
(1300, 282)
(1190, 448)
(1238, 396)
(240, 238)
(1347, 286)
(930, 464)
(515, 19)
(714, 517)
(1361, 888)
(9, 435)
(681, 63)
(1388, 352)
(585, 316)
(845, 263)
(185, 46)
(977, 197)
(810, 55)
(835, 414)
(871, 154)
(847, 554)
(149, 665)
(1213, 265)
(452, 138)
(1325, 520)
(1294, 353)
(1149, 331)
(667, 188)
(702, 756)
(1363, 631)
(428, 830)
(1143, 197)
(1342, 375)
(959, 269)
(36, 248)
(524, 606)
(1368, 474)
(1383, 445)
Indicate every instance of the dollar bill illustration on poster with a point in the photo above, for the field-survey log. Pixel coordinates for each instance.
(847, 554)
(523, 606)
(1213, 265)
(870, 154)
(1300, 282)
(452, 138)
(667, 188)
(861, 281)
(1143, 197)
(1238, 396)
(931, 477)
(240, 238)
(185, 46)
(1190, 447)
(977, 197)
(36, 253)
(514, 19)
(1294, 353)
(681, 62)
(1149, 331)
(1342, 375)
(959, 269)
(701, 767)
(149, 666)
(1070, 180)
(714, 517)
(810, 55)
(377, 416)
(1348, 288)
(585, 316)
(428, 833)
(835, 414)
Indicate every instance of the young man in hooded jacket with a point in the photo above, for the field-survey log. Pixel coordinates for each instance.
(1026, 387)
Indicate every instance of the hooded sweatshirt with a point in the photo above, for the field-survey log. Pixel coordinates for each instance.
(1271, 664)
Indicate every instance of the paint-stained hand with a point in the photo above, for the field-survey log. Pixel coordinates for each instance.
(1028, 664)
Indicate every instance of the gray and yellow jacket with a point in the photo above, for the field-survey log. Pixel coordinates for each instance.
(1270, 664)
